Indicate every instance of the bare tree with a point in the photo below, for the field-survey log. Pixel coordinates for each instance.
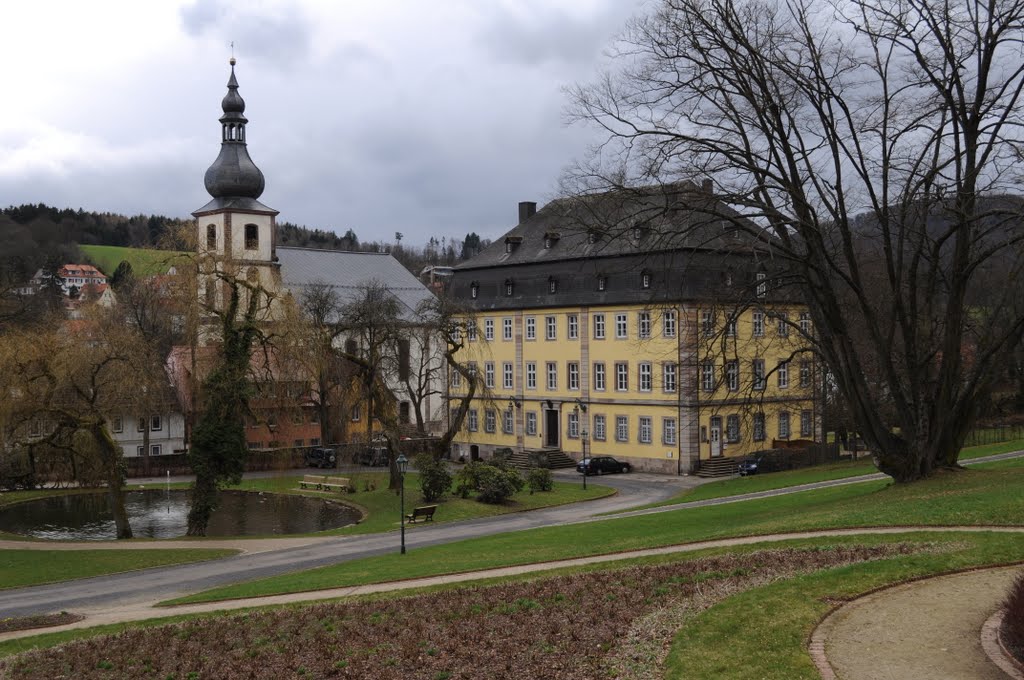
(870, 145)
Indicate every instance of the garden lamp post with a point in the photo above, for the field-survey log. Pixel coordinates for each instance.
(584, 435)
(403, 465)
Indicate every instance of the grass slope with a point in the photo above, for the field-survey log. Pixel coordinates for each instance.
(969, 497)
(20, 568)
(144, 261)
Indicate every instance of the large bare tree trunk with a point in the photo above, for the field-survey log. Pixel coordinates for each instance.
(113, 469)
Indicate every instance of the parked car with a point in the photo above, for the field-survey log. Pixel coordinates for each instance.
(376, 456)
(751, 465)
(321, 457)
(599, 465)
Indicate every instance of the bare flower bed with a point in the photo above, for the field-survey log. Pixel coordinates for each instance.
(564, 627)
(39, 621)
(1012, 631)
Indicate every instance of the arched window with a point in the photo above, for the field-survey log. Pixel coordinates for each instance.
(252, 237)
(211, 237)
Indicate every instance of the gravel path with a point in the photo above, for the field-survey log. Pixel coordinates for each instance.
(922, 630)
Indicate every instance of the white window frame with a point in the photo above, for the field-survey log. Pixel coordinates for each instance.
(507, 377)
(645, 373)
(472, 420)
(669, 377)
(156, 423)
(732, 375)
(707, 376)
(573, 428)
(600, 427)
(551, 328)
(643, 325)
(531, 423)
(531, 328)
(805, 323)
(645, 429)
(489, 374)
(784, 425)
(116, 424)
(531, 375)
(707, 323)
(470, 331)
(621, 429)
(621, 376)
(490, 421)
(759, 430)
(668, 431)
(783, 328)
(599, 377)
(456, 378)
(506, 328)
(730, 327)
(599, 327)
(805, 373)
(573, 326)
(757, 323)
(668, 323)
(806, 424)
(783, 374)
(551, 373)
(488, 329)
(507, 422)
(573, 374)
(762, 284)
(155, 449)
(621, 326)
(758, 380)
(732, 428)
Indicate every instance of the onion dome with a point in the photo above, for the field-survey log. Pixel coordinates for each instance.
(233, 174)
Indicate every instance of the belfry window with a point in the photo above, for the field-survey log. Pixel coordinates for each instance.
(211, 237)
(252, 237)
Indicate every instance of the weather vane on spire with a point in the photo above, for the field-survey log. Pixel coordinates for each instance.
(232, 52)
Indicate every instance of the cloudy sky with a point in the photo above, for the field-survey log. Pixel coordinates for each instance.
(429, 118)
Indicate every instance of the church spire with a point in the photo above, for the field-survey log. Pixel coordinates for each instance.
(233, 174)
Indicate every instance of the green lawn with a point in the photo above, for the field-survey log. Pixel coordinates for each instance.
(735, 486)
(382, 506)
(19, 568)
(970, 497)
(144, 261)
(762, 633)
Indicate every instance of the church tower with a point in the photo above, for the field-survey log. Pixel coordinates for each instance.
(234, 227)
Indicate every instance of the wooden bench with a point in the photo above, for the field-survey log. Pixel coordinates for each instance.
(335, 483)
(425, 512)
(312, 481)
(324, 483)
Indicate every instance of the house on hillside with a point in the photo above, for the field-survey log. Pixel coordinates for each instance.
(633, 324)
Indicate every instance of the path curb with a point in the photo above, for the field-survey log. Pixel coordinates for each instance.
(992, 643)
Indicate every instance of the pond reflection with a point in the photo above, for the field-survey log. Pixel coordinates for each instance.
(163, 514)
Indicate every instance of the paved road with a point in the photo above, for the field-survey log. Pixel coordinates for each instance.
(168, 582)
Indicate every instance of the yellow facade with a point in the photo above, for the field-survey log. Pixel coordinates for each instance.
(652, 385)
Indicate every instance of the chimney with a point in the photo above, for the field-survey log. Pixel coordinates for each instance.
(527, 209)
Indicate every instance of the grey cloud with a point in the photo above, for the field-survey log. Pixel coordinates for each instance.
(554, 35)
(279, 37)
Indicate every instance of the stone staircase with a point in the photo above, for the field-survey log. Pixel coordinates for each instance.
(717, 467)
(545, 458)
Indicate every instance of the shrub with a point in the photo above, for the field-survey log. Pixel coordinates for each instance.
(539, 479)
(435, 479)
(495, 485)
(1012, 631)
(468, 479)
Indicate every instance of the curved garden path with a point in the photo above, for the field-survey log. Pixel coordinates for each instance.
(921, 630)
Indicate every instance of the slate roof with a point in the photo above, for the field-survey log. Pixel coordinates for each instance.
(348, 272)
(678, 235)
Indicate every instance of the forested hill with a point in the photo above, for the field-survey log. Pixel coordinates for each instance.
(34, 235)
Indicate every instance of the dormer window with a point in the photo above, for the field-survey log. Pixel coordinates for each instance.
(508, 246)
(645, 279)
(474, 290)
(548, 242)
(552, 285)
(637, 233)
(593, 237)
(508, 287)
(762, 284)
(550, 239)
(602, 282)
(512, 242)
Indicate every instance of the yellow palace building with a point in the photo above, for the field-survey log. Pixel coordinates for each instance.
(640, 325)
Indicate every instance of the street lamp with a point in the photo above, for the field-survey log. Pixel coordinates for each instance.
(403, 465)
(581, 406)
(584, 434)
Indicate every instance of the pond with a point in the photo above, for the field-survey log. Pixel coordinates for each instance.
(163, 514)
